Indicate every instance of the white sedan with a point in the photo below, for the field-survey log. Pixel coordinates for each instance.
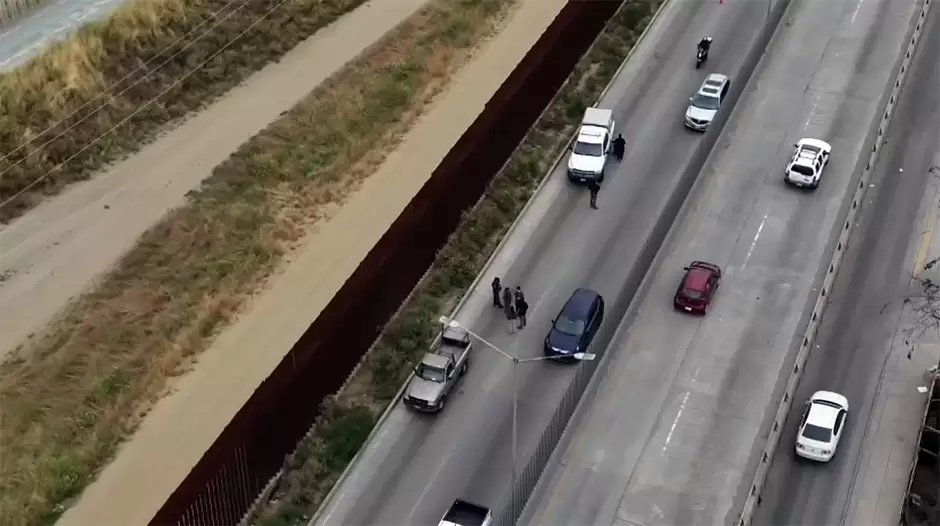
(821, 426)
(808, 163)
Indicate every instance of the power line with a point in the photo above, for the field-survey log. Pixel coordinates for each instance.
(141, 108)
(125, 77)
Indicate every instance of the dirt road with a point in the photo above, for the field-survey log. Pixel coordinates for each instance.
(182, 426)
(56, 250)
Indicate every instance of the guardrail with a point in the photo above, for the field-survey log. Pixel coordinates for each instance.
(822, 300)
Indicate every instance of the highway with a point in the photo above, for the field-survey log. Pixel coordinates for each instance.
(671, 434)
(47, 24)
(855, 336)
(417, 465)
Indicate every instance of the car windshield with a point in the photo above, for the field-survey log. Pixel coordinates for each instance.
(569, 326)
(588, 148)
(817, 433)
(802, 169)
(705, 102)
(431, 374)
(692, 294)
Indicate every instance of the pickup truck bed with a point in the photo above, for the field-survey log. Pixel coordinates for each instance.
(452, 343)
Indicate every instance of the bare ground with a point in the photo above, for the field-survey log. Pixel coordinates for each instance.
(54, 252)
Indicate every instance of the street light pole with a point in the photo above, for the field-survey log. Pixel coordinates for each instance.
(580, 356)
(515, 423)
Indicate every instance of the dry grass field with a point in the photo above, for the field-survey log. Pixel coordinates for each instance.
(10, 10)
(80, 389)
(124, 79)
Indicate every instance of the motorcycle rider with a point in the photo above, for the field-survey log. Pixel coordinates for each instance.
(704, 45)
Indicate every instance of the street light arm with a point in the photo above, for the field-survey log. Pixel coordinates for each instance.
(456, 324)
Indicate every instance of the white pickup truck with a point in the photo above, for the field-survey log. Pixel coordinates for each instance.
(463, 513)
(590, 150)
(439, 371)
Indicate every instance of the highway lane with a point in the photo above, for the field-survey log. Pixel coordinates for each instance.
(671, 434)
(855, 336)
(50, 23)
(418, 464)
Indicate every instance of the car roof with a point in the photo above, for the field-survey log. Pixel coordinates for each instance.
(708, 91)
(821, 414)
(591, 134)
(697, 277)
(579, 303)
(435, 360)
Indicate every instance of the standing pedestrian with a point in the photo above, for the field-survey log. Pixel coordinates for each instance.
(507, 299)
(620, 146)
(595, 187)
(522, 308)
(497, 289)
(518, 296)
(511, 316)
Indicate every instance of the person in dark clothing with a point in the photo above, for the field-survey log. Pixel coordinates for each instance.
(507, 300)
(595, 187)
(511, 315)
(522, 308)
(518, 295)
(497, 289)
(620, 146)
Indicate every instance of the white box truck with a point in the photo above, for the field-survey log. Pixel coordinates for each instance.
(592, 146)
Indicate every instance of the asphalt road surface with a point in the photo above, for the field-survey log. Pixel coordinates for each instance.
(670, 436)
(855, 336)
(417, 465)
(50, 23)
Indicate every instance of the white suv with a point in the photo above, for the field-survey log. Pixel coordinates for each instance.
(808, 162)
(704, 105)
(821, 426)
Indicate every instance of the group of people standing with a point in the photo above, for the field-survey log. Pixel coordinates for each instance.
(512, 302)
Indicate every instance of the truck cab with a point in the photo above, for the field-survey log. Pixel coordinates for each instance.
(592, 146)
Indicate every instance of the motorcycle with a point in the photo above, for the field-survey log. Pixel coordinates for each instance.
(700, 58)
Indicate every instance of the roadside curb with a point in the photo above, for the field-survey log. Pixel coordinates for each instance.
(822, 300)
(473, 286)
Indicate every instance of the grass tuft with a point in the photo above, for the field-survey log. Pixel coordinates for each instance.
(312, 472)
(11, 10)
(78, 390)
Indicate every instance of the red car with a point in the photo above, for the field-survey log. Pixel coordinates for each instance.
(698, 286)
